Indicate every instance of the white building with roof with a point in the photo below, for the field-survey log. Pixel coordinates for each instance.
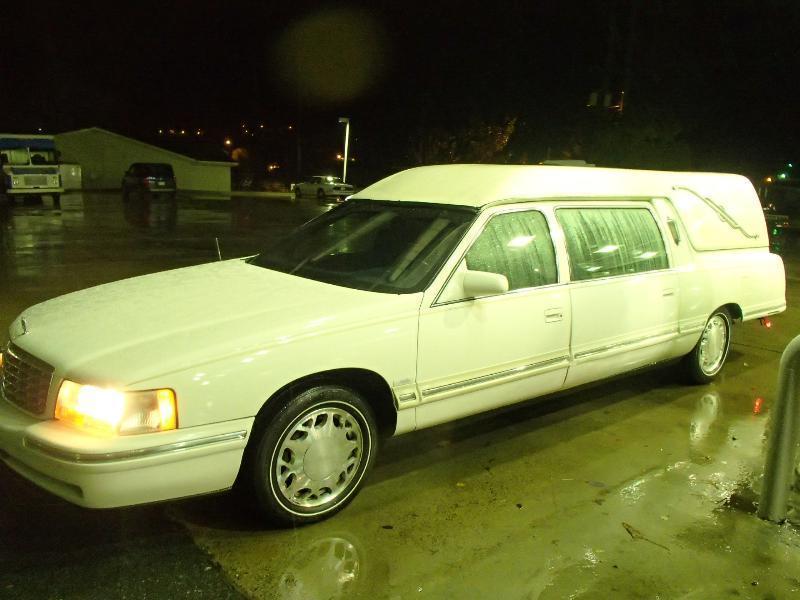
(104, 157)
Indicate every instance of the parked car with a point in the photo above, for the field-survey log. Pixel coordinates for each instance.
(434, 294)
(149, 178)
(323, 187)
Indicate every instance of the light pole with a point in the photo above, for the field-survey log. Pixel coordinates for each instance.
(346, 122)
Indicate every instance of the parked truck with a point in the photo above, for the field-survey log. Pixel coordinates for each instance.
(30, 167)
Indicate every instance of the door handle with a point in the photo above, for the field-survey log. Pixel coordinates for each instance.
(553, 315)
(668, 292)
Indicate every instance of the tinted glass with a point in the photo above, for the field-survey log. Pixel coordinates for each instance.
(394, 247)
(604, 242)
(158, 170)
(517, 245)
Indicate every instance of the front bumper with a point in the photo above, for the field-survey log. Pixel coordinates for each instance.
(106, 472)
(42, 190)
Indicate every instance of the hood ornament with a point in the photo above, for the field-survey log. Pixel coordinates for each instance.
(24, 324)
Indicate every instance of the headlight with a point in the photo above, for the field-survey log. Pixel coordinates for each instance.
(110, 411)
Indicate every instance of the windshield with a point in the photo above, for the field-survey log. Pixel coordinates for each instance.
(22, 156)
(389, 247)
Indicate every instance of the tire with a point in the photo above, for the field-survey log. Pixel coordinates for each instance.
(313, 455)
(321, 195)
(708, 356)
(56, 200)
(297, 192)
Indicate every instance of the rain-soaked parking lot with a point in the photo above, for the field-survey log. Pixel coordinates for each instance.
(638, 488)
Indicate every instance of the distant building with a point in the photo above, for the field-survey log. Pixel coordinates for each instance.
(104, 156)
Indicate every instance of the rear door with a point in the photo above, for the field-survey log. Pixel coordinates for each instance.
(623, 290)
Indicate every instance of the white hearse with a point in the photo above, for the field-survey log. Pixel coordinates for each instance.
(431, 295)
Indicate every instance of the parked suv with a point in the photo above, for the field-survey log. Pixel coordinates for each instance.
(155, 178)
(323, 186)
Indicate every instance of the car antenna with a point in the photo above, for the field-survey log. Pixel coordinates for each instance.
(219, 253)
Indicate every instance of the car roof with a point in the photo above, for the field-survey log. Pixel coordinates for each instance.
(479, 185)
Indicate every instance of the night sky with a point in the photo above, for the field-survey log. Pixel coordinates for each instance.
(708, 84)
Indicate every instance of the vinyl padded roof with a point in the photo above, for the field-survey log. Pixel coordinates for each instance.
(479, 185)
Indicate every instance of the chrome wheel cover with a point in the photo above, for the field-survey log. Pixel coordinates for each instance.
(318, 456)
(713, 345)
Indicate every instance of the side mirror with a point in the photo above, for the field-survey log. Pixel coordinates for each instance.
(483, 283)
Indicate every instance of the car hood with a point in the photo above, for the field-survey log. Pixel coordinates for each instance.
(123, 332)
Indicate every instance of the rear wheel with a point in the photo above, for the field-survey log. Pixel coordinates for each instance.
(705, 361)
(313, 455)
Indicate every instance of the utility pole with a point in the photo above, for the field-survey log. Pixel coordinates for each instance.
(346, 122)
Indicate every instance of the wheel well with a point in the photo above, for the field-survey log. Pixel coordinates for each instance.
(371, 386)
(734, 310)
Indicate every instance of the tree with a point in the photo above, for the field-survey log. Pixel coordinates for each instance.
(478, 142)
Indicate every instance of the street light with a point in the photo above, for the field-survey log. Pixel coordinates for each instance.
(346, 122)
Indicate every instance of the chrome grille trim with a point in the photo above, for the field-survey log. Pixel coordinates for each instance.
(25, 380)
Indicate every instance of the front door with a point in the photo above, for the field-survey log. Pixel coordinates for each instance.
(479, 353)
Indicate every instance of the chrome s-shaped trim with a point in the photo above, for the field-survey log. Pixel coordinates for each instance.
(104, 457)
(493, 377)
(720, 210)
(609, 347)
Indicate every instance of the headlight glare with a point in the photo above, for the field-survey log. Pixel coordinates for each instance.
(111, 411)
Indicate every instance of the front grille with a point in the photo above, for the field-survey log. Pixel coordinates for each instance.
(35, 180)
(25, 380)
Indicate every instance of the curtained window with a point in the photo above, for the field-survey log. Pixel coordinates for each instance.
(604, 242)
(517, 245)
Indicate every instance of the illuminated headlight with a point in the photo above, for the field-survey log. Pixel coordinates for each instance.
(110, 411)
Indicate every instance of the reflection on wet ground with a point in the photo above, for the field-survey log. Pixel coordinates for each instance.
(638, 488)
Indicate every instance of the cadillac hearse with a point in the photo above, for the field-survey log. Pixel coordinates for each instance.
(434, 294)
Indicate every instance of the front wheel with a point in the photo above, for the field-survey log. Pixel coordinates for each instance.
(321, 195)
(703, 363)
(313, 455)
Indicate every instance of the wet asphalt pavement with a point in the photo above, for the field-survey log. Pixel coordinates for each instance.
(641, 487)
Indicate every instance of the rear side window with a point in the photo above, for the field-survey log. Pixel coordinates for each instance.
(605, 242)
(517, 245)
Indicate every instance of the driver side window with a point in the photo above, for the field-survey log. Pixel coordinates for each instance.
(517, 245)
